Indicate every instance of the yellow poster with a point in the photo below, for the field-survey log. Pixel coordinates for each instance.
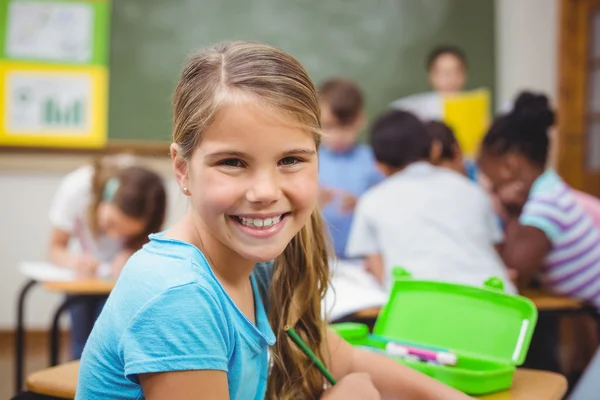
(468, 114)
(53, 106)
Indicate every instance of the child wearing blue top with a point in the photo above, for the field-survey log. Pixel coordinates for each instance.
(347, 169)
(196, 312)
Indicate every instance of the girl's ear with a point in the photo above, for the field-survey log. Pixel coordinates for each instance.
(180, 167)
(383, 168)
(435, 152)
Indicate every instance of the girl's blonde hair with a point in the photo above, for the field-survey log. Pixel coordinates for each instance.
(210, 78)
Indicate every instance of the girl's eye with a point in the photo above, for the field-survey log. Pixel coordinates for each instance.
(290, 161)
(232, 162)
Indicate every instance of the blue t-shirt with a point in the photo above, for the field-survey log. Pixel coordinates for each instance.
(354, 172)
(168, 312)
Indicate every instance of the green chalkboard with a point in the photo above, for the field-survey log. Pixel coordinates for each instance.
(382, 44)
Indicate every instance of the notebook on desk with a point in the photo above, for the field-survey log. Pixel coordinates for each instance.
(351, 289)
(44, 271)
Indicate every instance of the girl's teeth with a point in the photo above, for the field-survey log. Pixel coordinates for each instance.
(260, 223)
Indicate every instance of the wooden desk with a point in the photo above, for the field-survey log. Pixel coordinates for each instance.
(79, 290)
(81, 287)
(545, 301)
(61, 381)
(530, 384)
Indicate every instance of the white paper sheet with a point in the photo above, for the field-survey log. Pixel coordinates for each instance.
(352, 289)
(46, 272)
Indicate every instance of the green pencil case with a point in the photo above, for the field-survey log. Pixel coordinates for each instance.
(487, 329)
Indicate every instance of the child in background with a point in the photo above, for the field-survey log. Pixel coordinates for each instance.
(432, 221)
(445, 150)
(447, 71)
(188, 316)
(106, 210)
(347, 169)
(547, 229)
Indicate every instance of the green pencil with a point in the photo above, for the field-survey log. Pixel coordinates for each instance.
(296, 339)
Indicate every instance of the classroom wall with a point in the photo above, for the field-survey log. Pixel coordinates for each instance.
(526, 57)
(526, 47)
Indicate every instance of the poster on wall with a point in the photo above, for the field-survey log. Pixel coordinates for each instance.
(54, 73)
(61, 32)
(53, 106)
(42, 102)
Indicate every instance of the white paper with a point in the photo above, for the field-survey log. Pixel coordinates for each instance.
(38, 102)
(46, 272)
(352, 289)
(52, 31)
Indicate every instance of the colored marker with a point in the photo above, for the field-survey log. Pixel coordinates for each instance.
(408, 357)
(383, 339)
(442, 357)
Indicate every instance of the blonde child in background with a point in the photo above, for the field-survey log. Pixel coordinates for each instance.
(100, 215)
(347, 168)
(195, 311)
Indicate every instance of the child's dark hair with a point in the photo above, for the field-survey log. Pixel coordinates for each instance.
(344, 97)
(137, 191)
(446, 49)
(523, 130)
(399, 138)
(443, 134)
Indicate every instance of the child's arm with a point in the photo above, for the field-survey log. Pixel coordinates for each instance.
(525, 245)
(392, 379)
(524, 249)
(374, 265)
(185, 385)
(59, 254)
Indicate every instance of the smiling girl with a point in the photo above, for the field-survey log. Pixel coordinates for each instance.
(195, 311)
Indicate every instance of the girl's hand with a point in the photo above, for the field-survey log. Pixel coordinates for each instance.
(85, 266)
(513, 195)
(348, 203)
(356, 385)
(325, 196)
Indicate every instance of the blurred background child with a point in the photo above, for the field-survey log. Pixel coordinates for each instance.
(430, 220)
(547, 229)
(346, 168)
(445, 150)
(447, 72)
(101, 214)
